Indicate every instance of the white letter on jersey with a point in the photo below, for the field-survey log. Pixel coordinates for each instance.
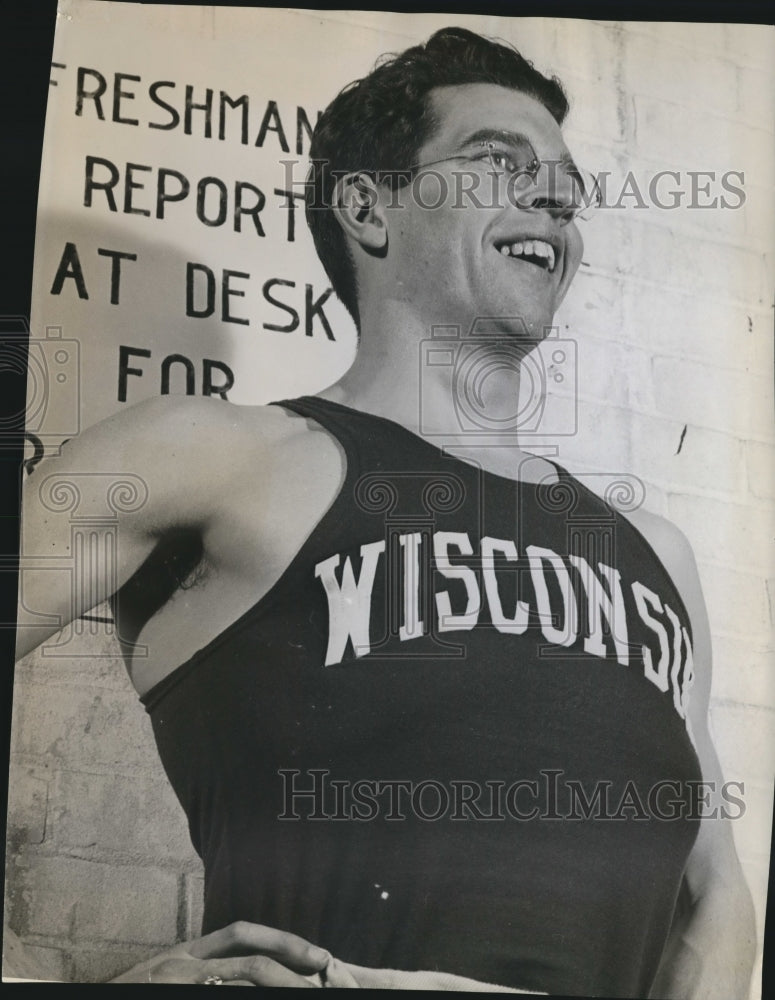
(688, 680)
(349, 606)
(518, 623)
(679, 635)
(602, 604)
(413, 623)
(566, 635)
(447, 621)
(643, 598)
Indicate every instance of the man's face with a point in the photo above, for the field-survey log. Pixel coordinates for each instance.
(449, 264)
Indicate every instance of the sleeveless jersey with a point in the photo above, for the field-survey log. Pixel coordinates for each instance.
(452, 735)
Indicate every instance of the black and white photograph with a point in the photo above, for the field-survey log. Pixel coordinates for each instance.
(395, 586)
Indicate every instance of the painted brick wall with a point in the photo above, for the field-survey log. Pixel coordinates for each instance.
(100, 869)
(672, 320)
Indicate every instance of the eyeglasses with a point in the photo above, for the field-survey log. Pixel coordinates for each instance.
(519, 165)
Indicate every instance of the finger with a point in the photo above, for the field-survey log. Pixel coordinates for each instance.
(256, 970)
(243, 938)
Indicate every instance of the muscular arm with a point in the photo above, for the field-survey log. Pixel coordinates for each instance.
(92, 515)
(710, 951)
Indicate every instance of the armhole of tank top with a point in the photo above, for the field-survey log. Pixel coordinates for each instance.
(330, 417)
(563, 473)
(660, 562)
(349, 452)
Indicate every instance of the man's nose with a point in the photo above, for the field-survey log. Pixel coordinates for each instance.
(553, 189)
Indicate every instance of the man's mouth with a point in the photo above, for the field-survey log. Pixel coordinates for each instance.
(537, 252)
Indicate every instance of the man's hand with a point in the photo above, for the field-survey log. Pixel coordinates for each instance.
(241, 954)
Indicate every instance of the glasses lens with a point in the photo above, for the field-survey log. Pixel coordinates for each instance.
(516, 160)
(576, 187)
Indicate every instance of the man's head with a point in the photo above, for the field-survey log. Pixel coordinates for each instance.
(423, 107)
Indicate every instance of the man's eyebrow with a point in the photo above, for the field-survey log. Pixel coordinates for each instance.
(495, 135)
(510, 138)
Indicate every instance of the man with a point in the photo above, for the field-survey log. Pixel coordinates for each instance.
(333, 596)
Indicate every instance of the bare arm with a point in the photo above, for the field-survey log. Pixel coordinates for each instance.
(710, 951)
(92, 515)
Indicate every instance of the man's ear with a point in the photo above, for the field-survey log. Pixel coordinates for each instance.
(359, 210)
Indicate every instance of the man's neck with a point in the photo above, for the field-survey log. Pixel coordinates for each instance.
(437, 388)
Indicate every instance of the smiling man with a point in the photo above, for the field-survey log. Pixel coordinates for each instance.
(413, 720)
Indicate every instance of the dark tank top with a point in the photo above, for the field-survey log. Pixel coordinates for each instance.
(452, 735)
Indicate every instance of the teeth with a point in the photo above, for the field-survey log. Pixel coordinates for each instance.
(530, 248)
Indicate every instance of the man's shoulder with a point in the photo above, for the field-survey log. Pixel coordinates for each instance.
(674, 551)
(191, 453)
(224, 446)
(200, 417)
(663, 536)
(176, 430)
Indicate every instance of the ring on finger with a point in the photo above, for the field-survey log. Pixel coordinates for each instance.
(212, 981)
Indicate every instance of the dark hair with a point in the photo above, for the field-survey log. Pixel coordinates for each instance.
(379, 123)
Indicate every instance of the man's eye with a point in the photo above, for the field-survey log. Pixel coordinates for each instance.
(502, 160)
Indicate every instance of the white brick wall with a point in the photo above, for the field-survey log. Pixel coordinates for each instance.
(672, 314)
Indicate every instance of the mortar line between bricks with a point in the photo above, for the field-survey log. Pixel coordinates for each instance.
(698, 360)
(731, 703)
(85, 944)
(676, 487)
(753, 124)
(755, 647)
(660, 416)
(660, 286)
(641, 28)
(742, 245)
(677, 107)
(731, 567)
(117, 859)
(181, 916)
(697, 233)
(44, 761)
(681, 218)
(634, 28)
(650, 284)
(634, 276)
(755, 858)
(759, 505)
(761, 571)
(641, 158)
(760, 650)
(754, 505)
(761, 786)
(49, 759)
(615, 145)
(742, 434)
(741, 637)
